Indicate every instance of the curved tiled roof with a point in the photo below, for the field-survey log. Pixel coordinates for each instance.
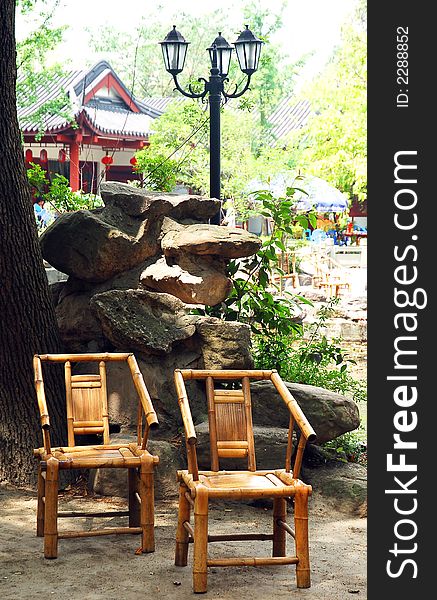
(46, 93)
(108, 116)
(118, 121)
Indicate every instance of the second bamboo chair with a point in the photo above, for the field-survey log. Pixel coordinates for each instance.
(231, 436)
(87, 413)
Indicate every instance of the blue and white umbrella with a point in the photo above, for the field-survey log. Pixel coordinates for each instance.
(320, 195)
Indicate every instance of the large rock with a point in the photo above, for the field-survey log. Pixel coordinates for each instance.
(78, 325)
(225, 344)
(330, 414)
(193, 208)
(145, 321)
(343, 484)
(193, 279)
(208, 240)
(158, 372)
(141, 202)
(133, 201)
(86, 246)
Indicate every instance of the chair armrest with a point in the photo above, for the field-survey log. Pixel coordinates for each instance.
(140, 386)
(190, 432)
(294, 408)
(42, 404)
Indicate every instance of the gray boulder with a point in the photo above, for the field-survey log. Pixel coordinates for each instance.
(140, 202)
(205, 239)
(77, 324)
(143, 321)
(86, 246)
(225, 344)
(343, 484)
(330, 414)
(192, 279)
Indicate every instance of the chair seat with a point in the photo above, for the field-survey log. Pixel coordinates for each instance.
(243, 483)
(115, 456)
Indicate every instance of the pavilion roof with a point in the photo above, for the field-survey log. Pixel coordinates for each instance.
(114, 112)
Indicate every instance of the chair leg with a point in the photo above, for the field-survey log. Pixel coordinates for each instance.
(40, 503)
(51, 509)
(134, 505)
(200, 578)
(147, 510)
(279, 514)
(303, 578)
(182, 535)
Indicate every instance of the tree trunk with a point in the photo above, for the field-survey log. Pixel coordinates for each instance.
(27, 317)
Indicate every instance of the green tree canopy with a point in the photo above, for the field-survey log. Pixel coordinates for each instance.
(181, 135)
(32, 68)
(333, 144)
(138, 60)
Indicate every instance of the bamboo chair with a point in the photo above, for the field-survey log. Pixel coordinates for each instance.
(231, 436)
(87, 413)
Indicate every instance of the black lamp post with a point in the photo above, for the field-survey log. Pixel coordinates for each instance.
(248, 49)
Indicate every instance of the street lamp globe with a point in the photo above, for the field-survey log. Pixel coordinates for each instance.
(248, 49)
(174, 49)
(220, 54)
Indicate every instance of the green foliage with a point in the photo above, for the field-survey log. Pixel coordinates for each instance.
(60, 194)
(159, 172)
(311, 359)
(57, 192)
(254, 297)
(333, 143)
(350, 447)
(32, 69)
(37, 178)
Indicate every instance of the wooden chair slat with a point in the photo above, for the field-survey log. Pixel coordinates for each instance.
(88, 377)
(88, 430)
(232, 452)
(88, 423)
(229, 400)
(234, 444)
(86, 384)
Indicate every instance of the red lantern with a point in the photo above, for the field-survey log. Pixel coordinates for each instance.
(29, 155)
(107, 160)
(43, 156)
(62, 156)
(133, 161)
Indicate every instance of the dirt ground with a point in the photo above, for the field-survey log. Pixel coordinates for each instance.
(106, 568)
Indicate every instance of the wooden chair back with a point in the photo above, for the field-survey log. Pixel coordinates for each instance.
(86, 397)
(230, 424)
(87, 404)
(230, 418)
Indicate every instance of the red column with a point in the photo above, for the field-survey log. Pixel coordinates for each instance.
(74, 166)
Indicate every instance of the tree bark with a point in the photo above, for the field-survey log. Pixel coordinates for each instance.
(27, 316)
